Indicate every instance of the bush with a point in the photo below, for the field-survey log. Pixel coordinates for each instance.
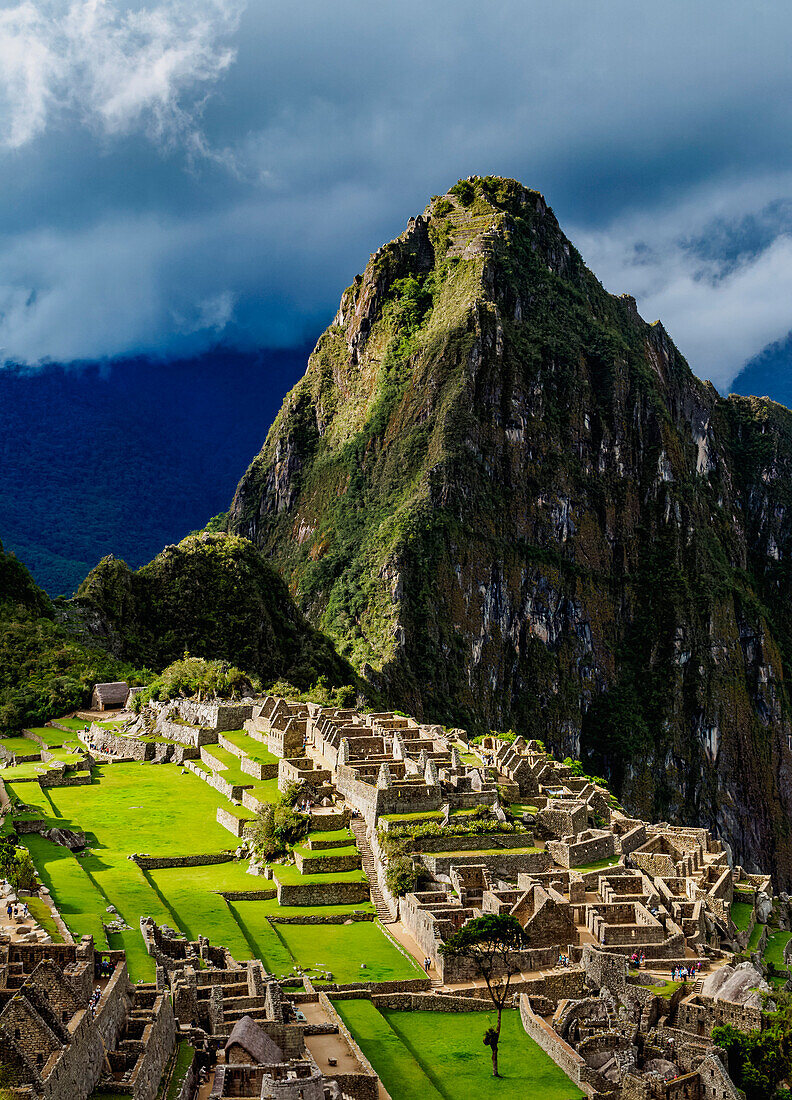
(401, 876)
(279, 827)
(16, 865)
(464, 191)
(195, 676)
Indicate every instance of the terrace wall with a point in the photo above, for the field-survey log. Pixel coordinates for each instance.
(323, 893)
(160, 1038)
(567, 1059)
(216, 716)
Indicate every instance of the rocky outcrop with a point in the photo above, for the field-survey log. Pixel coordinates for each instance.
(511, 503)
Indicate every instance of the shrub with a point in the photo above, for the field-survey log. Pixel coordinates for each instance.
(464, 191)
(16, 865)
(279, 827)
(195, 676)
(401, 876)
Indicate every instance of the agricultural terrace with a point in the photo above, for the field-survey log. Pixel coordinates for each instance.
(168, 811)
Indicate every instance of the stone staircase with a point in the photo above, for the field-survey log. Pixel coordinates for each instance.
(698, 985)
(358, 827)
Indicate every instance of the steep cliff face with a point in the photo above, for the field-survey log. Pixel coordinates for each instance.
(511, 503)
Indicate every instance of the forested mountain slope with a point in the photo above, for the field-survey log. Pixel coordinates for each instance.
(511, 503)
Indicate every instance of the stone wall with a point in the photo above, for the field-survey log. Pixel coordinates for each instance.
(216, 716)
(431, 1002)
(186, 735)
(159, 1039)
(357, 1086)
(55, 778)
(567, 1059)
(158, 863)
(230, 821)
(506, 863)
(323, 893)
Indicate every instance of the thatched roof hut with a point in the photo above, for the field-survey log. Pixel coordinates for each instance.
(250, 1043)
(109, 696)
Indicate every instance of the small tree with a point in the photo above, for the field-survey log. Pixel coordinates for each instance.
(401, 876)
(493, 943)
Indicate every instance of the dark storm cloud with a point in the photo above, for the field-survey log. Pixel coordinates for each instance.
(178, 172)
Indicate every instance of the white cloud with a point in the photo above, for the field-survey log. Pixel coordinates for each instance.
(718, 321)
(119, 69)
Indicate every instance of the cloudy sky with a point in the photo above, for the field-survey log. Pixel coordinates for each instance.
(179, 172)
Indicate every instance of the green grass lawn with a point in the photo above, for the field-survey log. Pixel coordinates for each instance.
(265, 790)
(79, 901)
(333, 834)
(52, 737)
(756, 935)
(312, 854)
(136, 807)
(341, 948)
(193, 896)
(740, 912)
(43, 914)
(76, 724)
(23, 746)
(338, 948)
(228, 766)
(256, 750)
(442, 1055)
(289, 874)
(774, 951)
(23, 771)
(400, 1072)
(127, 808)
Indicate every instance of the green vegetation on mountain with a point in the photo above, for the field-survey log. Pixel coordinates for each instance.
(214, 596)
(510, 503)
(44, 670)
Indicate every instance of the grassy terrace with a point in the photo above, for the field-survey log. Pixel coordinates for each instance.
(228, 766)
(21, 745)
(265, 790)
(76, 724)
(256, 750)
(323, 853)
(332, 834)
(289, 874)
(774, 951)
(53, 738)
(30, 770)
(127, 808)
(434, 1055)
(427, 815)
(756, 935)
(339, 949)
(741, 912)
(163, 811)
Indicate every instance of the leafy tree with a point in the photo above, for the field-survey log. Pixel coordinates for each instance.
(759, 1061)
(401, 876)
(16, 865)
(279, 827)
(493, 943)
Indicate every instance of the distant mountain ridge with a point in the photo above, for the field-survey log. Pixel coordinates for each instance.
(510, 502)
(126, 456)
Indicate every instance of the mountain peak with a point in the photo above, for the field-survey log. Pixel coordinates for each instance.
(510, 502)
